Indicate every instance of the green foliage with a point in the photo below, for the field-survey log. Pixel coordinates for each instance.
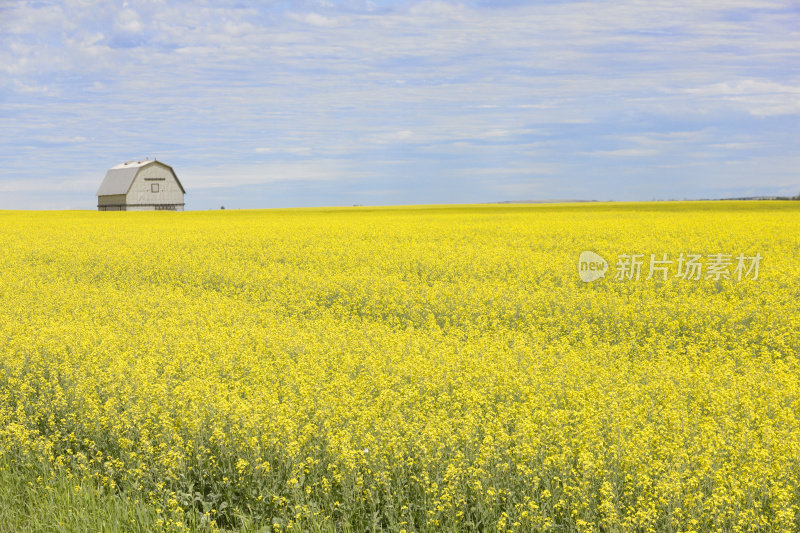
(37, 498)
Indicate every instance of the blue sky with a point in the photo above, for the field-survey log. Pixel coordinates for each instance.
(324, 102)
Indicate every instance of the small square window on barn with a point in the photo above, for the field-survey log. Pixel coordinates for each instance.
(154, 187)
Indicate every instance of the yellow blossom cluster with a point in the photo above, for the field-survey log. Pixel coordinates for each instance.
(410, 369)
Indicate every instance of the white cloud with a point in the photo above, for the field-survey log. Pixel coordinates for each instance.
(81, 183)
(59, 139)
(318, 170)
(292, 150)
(757, 97)
(315, 19)
(31, 88)
(437, 10)
(128, 21)
(626, 152)
(738, 146)
(399, 136)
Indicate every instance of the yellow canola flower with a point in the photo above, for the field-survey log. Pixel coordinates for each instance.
(418, 369)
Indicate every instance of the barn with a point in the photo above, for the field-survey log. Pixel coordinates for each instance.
(141, 186)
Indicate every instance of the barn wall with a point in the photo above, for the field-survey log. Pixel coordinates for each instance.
(169, 192)
(111, 199)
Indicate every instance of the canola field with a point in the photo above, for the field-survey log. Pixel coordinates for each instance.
(411, 369)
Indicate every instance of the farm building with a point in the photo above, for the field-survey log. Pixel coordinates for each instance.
(140, 186)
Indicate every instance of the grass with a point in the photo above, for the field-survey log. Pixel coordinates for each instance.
(38, 498)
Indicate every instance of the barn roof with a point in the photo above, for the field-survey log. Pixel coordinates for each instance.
(119, 179)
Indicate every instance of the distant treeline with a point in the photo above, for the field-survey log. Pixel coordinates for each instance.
(766, 198)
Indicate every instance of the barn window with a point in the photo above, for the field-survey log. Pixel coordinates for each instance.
(154, 187)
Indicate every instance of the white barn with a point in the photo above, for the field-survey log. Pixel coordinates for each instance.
(140, 186)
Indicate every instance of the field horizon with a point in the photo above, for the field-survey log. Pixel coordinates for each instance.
(499, 203)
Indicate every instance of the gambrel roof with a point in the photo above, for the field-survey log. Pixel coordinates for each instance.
(119, 179)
